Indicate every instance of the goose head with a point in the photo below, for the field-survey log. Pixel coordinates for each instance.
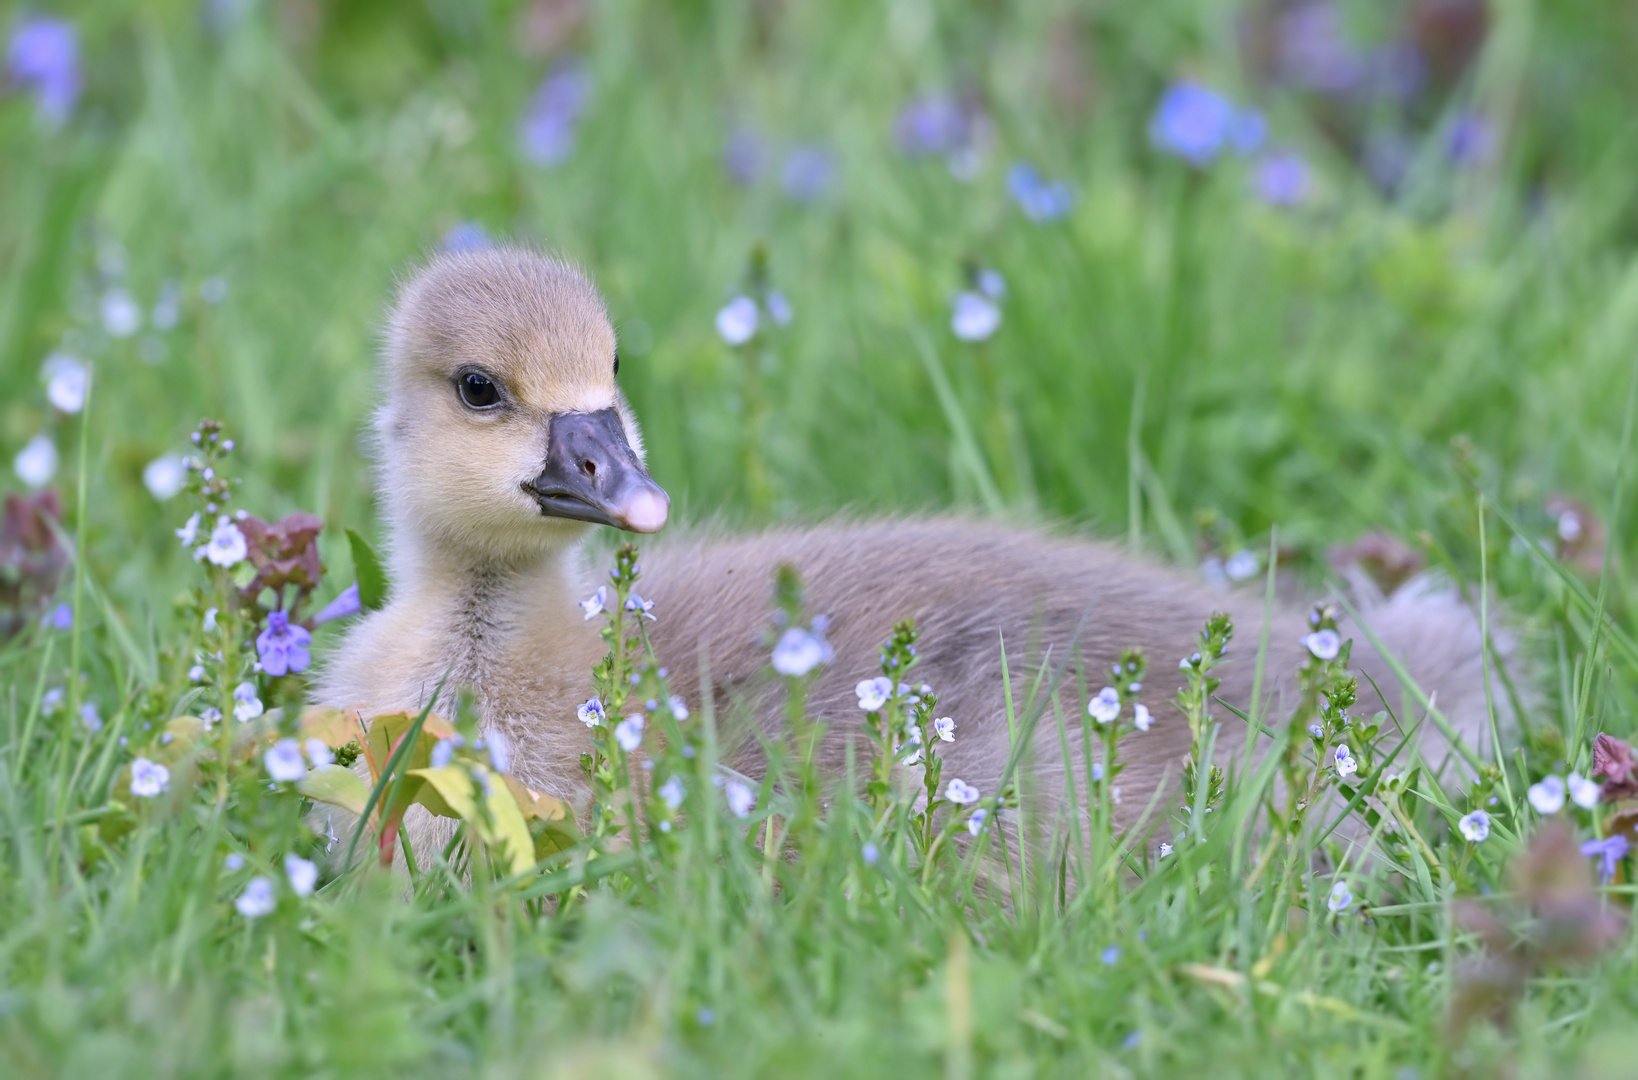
(503, 434)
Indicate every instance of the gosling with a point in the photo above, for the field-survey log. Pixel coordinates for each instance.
(503, 439)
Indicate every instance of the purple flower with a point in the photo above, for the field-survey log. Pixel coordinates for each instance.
(1471, 140)
(282, 647)
(808, 170)
(44, 56)
(342, 607)
(1193, 122)
(932, 124)
(1041, 200)
(1283, 180)
(744, 156)
(1313, 52)
(1611, 849)
(467, 236)
(60, 617)
(548, 127)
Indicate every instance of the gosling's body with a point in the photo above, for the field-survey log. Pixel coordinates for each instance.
(486, 589)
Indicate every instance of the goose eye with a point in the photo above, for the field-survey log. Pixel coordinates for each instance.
(617, 363)
(477, 391)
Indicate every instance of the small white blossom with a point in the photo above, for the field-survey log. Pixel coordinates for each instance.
(679, 707)
(741, 799)
(672, 791)
(189, 532)
(737, 321)
(873, 693)
(257, 899)
(974, 316)
(318, 753)
(1343, 759)
(961, 793)
(1583, 792)
(1165, 849)
(1341, 898)
(284, 761)
(210, 620)
(912, 737)
(1324, 644)
(121, 314)
(234, 861)
(91, 717)
(591, 712)
(629, 732)
(303, 874)
(944, 727)
(992, 284)
(247, 705)
(227, 544)
(1547, 796)
(67, 379)
(1140, 716)
(779, 308)
(1241, 565)
(164, 477)
(643, 608)
(1106, 706)
(148, 778)
(593, 605)
(443, 752)
(975, 824)
(799, 651)
(1475, 826)
(36, 463)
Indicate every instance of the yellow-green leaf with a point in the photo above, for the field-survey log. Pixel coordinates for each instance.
(500, 824)
(337, 786)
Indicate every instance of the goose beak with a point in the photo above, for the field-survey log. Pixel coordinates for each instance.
(591, 474)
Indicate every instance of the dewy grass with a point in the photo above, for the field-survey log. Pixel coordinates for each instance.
(1167, 346)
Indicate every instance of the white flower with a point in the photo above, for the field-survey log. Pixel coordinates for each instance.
(1343, 758)
(629, 732)
(257, 899)
(679, 707)
(66, 382)
(975, 824)
(873, 693)
(189, 532)
(869, 853)
(643, 608)
(121, 314)
(318, 753)
(1165, 849)
(779, 308)
(1475, 826)
(227, 544)
(51, 700)
(1341, 898)
(164, 476)
(974, 316)
(741, 799)
(91, 717)
(944, 728)
(1106, 706)
(303, 874)
(210, 715)
(1548, 796)
(672, 792)
(247, 705)
(593, 606)
(284, 762)
(234, 861)
(800, 651)
(1241, 565)
(961, 793)
(36, 463)
(1140, 716)
(591, 712)
(1583, 792)
(737, 320)
(992, 284)
(912, 737)
(1324, 644)
(148, 778)
(210, 620)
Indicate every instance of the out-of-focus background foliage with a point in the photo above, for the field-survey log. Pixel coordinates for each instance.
(1430, 237)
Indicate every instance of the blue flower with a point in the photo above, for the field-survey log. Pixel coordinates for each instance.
(1040, 199)
(467, 236)
(1111, 954)
(1471, 140)
(257, 899)
(282, 647)
(800, 651)
(60, 617)
(974, 316)
(344, 606)
(1193, 122)
(547, 130)
(1475, 827)
(931, 124)
(744, 156)
(44, 56)
(807, 172)
(1283, 180)
(1611, 849)
(1341, 899)
(961, 793)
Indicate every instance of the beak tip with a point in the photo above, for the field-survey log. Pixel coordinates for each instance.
(646, 510)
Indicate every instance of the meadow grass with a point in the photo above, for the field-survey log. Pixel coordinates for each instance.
(1433, 362)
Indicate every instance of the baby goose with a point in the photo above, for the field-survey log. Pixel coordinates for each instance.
(503, 436)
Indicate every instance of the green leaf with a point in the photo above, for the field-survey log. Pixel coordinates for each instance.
(337, 786)
(372, 580)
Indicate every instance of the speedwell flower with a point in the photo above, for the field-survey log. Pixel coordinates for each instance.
(591, 712)
(1583, 792)
(257, 899)
(873, 693)
(1341, 898)
(1612, 849)
(974, 316)
(284, 762)
(629, 732)
(799, 651)
(1324, 644)
(303, 874)
(36, 463)
(148, 778)
(1547, 796)
(594, 604)
(1141, 719)
(189, 532)
(961, 793)
(1343, 759)
(737, 321)
(226, 546)
(1475, 827)
(672, 791)
(1106, 706)
(66, 381)
(741, 799)
(247, 705)
(643, 608)
(282, 647)
(944, 727)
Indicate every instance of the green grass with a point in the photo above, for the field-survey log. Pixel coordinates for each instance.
(1369, 362)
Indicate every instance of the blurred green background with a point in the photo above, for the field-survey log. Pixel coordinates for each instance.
(1450, 254)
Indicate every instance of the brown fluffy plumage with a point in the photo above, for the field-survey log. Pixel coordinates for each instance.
(485, 588)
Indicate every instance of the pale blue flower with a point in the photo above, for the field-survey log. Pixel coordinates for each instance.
(1547, 796)
(247, 706)
(121, 314)
(36, 463)
(1041, 200)
(593, 605)
(467, 236)
(1343, 759)
(1111, 955)
(1283, 180)
(808, 171)
(1323, 644)
(737, 321)
(741, 799)
(319, 753)
(672, 792)
(1106, 706)
(975, 823)
(1165, 849)
(873, 693)
(961, 793)
(67, 380)
(779, 309)
(1583, 792)
(1193, 122)
(303, 874)
(1341, 899)
(189, 532)
(233, 862)
(974, 316)
(932, 124)
(629, 732)
(678, 707)
(284, 761)
(91, 717)
(164, 477)
(591, 712)
(226, 546)
(1475, 827)
(643, 608)
(1141, 718)
(869, 853)
(944, 727)
(44, 56)
(1241, 565)
(148, 778)
(799, 651)
(547, 130)
(344, 606)
(257, 899)
(443, 752)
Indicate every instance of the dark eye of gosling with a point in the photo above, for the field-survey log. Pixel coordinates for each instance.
(477, 391)
(617, 363)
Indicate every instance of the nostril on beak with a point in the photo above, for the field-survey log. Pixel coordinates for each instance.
(589, 467)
